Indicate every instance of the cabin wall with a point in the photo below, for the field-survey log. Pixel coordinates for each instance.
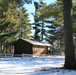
(23, 47)
(40, 49)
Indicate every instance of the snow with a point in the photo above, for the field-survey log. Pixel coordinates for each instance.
(34, 66)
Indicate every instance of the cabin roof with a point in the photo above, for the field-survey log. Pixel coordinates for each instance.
(34, 42)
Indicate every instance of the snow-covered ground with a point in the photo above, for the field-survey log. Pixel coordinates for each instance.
(33, 66)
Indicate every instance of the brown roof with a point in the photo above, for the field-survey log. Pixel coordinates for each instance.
(35, 42)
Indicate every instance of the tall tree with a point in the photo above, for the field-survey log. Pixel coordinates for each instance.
(13, 21)
(36, 22)
(49, 18)
(17, 18)
(24, 26)
(41, 13)
(55, 21)
(70, 62)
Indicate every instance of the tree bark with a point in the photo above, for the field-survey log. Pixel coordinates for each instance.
(68, 33)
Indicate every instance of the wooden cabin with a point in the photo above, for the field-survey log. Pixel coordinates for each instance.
(29, 47)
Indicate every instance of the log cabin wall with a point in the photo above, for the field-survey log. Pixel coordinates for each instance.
(28, 47)
(22, 47)
(40, 49)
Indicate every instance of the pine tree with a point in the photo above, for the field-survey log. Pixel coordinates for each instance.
(50, 17)
(36, 27)
(10, 20)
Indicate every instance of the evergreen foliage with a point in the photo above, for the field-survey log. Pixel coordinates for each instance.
(14, 22)
(48, 21)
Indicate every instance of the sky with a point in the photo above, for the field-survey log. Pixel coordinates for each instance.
(31, 9)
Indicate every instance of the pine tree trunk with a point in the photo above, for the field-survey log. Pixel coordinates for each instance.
(68, 32)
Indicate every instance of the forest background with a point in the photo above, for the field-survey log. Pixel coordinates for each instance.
(47, 23)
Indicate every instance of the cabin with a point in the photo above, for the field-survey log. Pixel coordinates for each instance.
(30, 47)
